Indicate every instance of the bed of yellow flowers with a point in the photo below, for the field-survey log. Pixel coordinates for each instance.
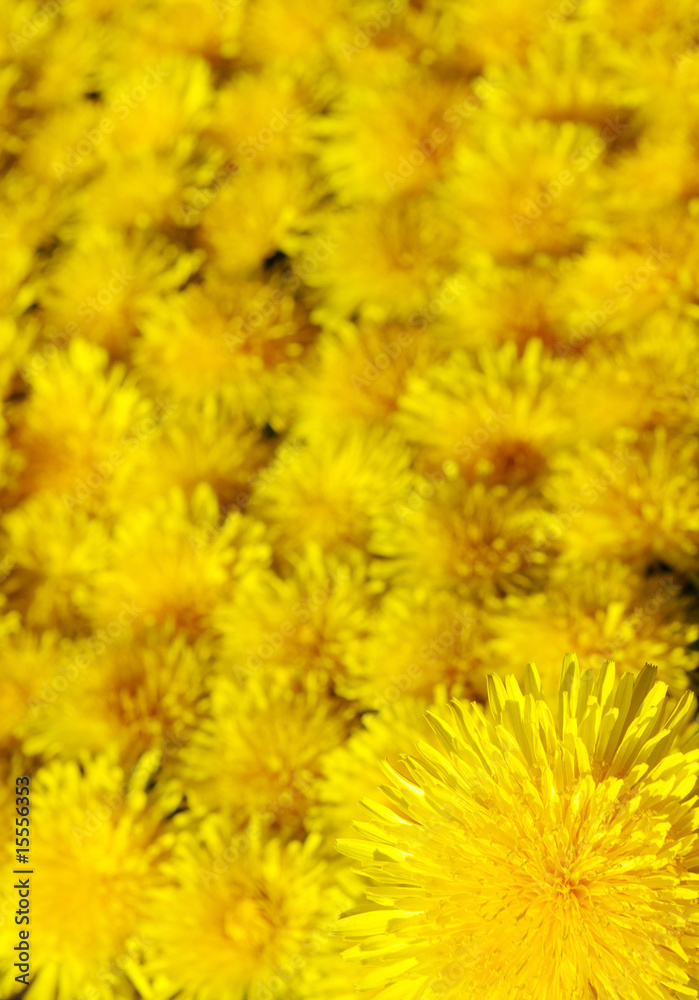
(350, 363)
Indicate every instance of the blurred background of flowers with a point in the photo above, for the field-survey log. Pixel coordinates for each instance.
(349, 354)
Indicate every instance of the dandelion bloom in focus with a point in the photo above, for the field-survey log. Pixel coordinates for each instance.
(548, 853)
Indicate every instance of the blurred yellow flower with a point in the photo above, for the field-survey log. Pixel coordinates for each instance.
(240, 916)
(171, 563)
(260, 753)
(98, 840)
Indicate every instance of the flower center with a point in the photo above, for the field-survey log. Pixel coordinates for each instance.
(247, 926)
(566, 885)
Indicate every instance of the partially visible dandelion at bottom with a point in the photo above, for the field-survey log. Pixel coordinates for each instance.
(549, 854)
(90, 881)
(255, 926)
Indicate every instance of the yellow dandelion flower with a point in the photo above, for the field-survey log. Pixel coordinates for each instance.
(202, 178)
(47, 139)
(330, 490)
(261, 751)
(242, 342)
(349, 350)
(490, 305)
(27, 661)
(406, 256)
(619, 282)
(76, 423)
(12, 19)
(240, 917)
(671, 85)
(304, 625)
(660, 27)
(415, 643)
(143, 190)
(567, 78)
(158, 107)
(291, 37)
(358, 372)
(260, 118)
(473, 540)
(603, 611)
(497, 417)
(541, 857)
(98, 842)
(55, 80)
(254, 216)
(100, 286)
(197, 441)
(526, 189)
(645, 381)
(638, 503)
(476, 34)
(51, 568)
(397, 139)
(356, 769)
(203, 27)
(379, 42)
(639, 170)
(174, 561)
(125, 697)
